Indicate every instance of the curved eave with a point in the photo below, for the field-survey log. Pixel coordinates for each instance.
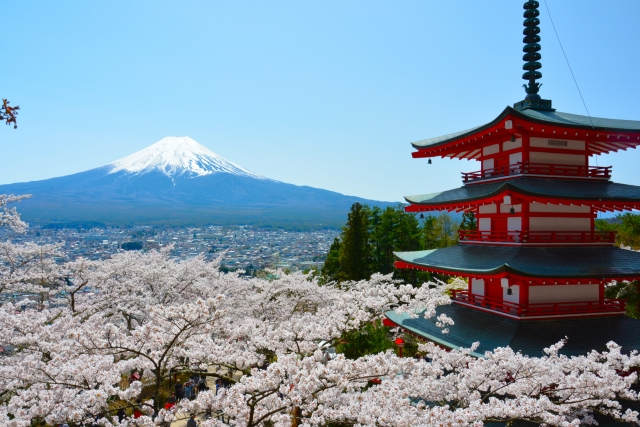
(440, 141)
(529, 338)
(595, 263)
(465, 144)
(605, 195)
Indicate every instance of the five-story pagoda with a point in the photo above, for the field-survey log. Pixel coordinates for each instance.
(535, 254)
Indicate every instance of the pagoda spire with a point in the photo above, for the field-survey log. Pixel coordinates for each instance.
(532, 48)
(532, 59)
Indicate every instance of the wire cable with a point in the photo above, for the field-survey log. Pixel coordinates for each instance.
(590, 120)
(567, 59)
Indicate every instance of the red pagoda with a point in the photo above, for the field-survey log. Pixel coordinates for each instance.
(535, 255)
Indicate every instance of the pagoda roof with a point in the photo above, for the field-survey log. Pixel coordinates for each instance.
(576, 262)
(528, 337)
(609, 195)
(523, 118)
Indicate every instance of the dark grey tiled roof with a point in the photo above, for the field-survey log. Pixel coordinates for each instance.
(543, 262)
(528, 337)
(542, 117)
(551, 188)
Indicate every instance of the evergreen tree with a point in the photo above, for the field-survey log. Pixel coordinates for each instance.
(627, 227)
(429, 236)
(331, 269)
(392, 229)
(469, 221)
(355, 258)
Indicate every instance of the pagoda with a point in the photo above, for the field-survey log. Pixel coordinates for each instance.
(536, 266)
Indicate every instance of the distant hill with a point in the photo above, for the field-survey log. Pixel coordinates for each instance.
(177, 181)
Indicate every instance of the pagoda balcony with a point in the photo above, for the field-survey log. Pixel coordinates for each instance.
(542, 310)
(537, 238)
(538, 170)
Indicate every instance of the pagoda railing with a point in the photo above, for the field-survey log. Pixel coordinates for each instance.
(578, 308)
(543, 169)
(538, 237)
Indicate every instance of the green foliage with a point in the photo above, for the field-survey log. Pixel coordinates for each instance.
(132, 246)
(446, 230)
(429, 234)
(629, 291)
(331, 269)
(372, 235)
(627, 226)
(355, 251)
(373, 338)
(392, 229)
(469, 221)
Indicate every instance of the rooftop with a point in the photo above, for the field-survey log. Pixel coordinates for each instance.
(529, 338)
(604, 136)
(540, 263)
(556, 118)
(605, 194)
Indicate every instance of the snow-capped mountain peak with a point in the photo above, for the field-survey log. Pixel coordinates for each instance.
(178, 155)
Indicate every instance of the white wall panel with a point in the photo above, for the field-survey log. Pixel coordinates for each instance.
(543, 207)
(488, 209)
(557, 158)
(487, 164)
(484, 224)
(477, 287)
(508, 145)
(514, 223)
(557, 143)
(559, 224)
(515, 158)
(491, 149)
(563, 293)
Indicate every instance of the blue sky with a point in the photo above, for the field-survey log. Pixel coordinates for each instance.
(327, 94)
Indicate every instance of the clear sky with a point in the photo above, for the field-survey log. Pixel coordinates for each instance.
(321, 93)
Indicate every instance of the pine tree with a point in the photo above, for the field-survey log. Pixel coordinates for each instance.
(331, 269)
(355, 258)
(429, 235)
(469, 221)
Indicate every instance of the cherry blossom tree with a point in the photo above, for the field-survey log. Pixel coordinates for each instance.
(69, 356)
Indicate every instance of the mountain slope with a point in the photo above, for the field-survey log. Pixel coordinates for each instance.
(178, 181)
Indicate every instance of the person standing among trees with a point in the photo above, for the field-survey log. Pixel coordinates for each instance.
(188, 390)
(192, 421)
(179, 390)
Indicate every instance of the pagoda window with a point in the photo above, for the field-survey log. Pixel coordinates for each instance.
(548, 223)
(508, 145)
(563, 293)
(488, 209)
(557, 144)
(555, 158)
(484, 224)
(488, 164)
(514, 223)
(491, 149)
(477, 287)
(547, 207)
(515, 158)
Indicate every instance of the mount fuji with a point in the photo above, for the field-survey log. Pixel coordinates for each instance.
(178, 181)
